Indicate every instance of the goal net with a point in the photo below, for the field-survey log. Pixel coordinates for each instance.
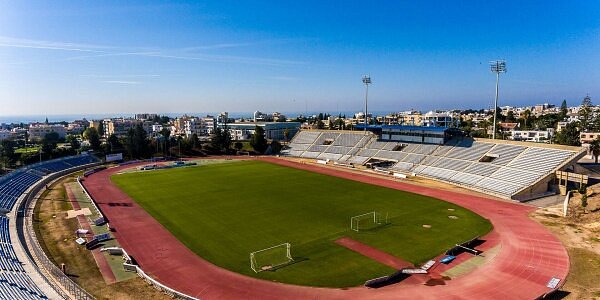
(367, 221)
(270, 258)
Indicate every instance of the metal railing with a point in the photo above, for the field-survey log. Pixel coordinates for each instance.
(128, 265)
(54, 276)
(56, 279)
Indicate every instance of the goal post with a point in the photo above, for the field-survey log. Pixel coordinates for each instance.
(367, 220)
(270, 258)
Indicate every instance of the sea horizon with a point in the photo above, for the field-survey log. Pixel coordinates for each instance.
(54, 118)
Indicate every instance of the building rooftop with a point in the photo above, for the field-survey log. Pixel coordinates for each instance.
(403, 127)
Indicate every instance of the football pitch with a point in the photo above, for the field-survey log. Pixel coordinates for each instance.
(223, 212)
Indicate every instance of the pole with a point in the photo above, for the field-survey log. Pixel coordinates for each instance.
(496, 106)
(366, 104)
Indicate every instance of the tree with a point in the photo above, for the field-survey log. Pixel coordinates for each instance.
(72, 140)
(113, 144)
(91, 134)
(286, 134)
(563, 109)
(595, 149)
(546, 121)
(258, 140)
(49, 142)
(510, 117)
(569, 135)
(499, 115)
(586, 117)
(194, 141)
(101, 129)
(526, 115)
(137, 142)
(166, 134)
(221, 139)
(215, 140)
(320, 125)
(485, 125)
(141, 140)
(276, 147)
(238, 146)
(226, 138)
(7, 152)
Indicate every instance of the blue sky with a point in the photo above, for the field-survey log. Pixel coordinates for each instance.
(70, 57)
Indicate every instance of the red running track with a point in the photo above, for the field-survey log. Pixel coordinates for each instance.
(530, 255)
(373, 253)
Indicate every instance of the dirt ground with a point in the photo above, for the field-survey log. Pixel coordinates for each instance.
(580, 233)
(56, 235)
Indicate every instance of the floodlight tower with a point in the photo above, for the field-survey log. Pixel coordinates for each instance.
(366, 79)
(497, 66)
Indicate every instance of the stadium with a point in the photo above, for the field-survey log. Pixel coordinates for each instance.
(388, 213)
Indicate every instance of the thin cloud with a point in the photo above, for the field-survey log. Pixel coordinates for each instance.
(177, 53)
(216, 46)
(48, 45)
(81, 57)
(121, 76)
(228, 59)
(283, 78)
(125, 82)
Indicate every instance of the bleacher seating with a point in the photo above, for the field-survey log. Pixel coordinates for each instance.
(348, 140)
(63, 164)
(500, 168)
(14, 282)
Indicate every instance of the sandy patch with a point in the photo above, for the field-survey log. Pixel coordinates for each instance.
(80, 212)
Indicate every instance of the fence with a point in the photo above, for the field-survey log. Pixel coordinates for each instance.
(60, 282)
(153, 282)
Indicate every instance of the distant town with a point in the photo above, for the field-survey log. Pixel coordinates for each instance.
(22, 144)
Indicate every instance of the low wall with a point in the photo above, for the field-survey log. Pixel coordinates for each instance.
(61, 283)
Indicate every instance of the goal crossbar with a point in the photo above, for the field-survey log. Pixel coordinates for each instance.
(257, 268)
(355, 220)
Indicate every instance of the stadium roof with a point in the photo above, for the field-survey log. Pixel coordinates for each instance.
(402, 127)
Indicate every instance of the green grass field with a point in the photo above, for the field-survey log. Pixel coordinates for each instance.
(223, 212)
(27, 150)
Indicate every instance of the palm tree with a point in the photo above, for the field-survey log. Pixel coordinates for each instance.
(286, 134)
(526, 115)
(595, 149)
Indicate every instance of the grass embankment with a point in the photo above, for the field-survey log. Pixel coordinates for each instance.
(56, 235)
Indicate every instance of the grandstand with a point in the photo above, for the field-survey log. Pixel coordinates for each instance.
(15, 283)
(519, 171)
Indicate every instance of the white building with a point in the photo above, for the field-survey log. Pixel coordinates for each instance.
(75, 128)
(260, 116)
(223, 118)
(273, 130)
(38, 131)
(279, 117)
(145, 116)
(5, 134)
(121, 126)
(199, 126)
(537, 136)
(437, 119)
